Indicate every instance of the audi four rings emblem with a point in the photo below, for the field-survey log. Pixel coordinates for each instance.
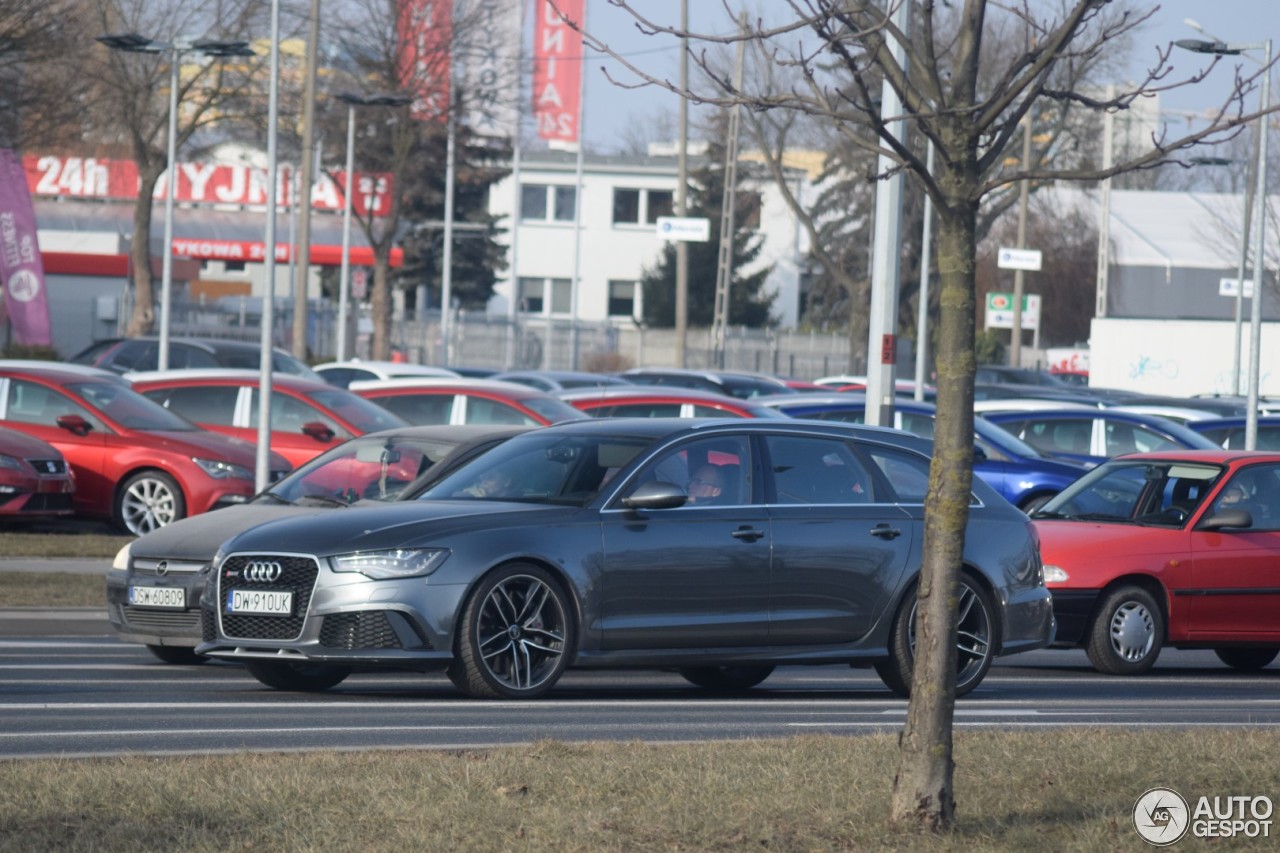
(261, 571)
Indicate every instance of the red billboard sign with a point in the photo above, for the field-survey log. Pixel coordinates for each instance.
(424, 62)
(199, 183)
(557, 69)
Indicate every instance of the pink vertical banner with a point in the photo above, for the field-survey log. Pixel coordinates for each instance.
(21, 271)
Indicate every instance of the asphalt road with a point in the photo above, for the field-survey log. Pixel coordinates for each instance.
(67, 695)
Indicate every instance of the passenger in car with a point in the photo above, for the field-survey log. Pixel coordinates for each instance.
(706, 486)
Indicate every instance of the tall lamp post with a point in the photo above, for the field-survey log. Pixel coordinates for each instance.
(1221, 48)
(353, 100)
(135, 43)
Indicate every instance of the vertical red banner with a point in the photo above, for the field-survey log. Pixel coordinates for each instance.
(425, 31)
(21, 269)
(557, 69)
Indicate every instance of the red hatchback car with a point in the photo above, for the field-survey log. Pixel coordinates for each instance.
(308, 416)
(134, 462)
(1178, 548)
(34, 477)
(425, 402)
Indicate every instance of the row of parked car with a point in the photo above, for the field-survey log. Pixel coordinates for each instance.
(1143, 550)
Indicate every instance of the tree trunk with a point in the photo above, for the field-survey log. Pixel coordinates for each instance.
(380, 301)
(142, 320)
(923, 794)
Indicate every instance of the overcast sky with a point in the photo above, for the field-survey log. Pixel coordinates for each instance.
(613, 113)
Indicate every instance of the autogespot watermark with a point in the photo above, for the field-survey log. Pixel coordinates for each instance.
(1162, 817)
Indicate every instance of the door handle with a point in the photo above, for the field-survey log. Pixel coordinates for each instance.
(884, 531)
(747, 534)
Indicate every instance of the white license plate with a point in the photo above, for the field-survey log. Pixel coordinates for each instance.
(157, 596)
(265, 602)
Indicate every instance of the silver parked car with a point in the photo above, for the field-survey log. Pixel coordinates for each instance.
(717, 548)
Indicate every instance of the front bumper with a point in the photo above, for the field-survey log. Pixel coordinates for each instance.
(1073, 608)
(155, 625)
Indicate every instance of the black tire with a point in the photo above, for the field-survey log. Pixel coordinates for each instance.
(516, 635)
(302, 677)
(1246, 659)
(976, 644)
(1127, 634)
(148, 501)
(726, 677)
(177, 654)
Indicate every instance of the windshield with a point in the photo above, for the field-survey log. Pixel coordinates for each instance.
(130, 409)
(558, 469)
(356, 410)
(1161, 492)
(368, 468)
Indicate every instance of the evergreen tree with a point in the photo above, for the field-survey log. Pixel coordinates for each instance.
(749, 305)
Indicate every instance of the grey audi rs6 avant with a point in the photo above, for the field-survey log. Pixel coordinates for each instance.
(717, 548)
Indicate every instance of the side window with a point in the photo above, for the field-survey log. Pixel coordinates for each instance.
(32, 403)
(482, 410)
(1131, 438)
(135, 355)
(206, 405)
(817, 471)
(907, 473)
(644, 410)
(418, 409)
(712, 471)
(289, 414)
(1256, 490)
(700, 411)
(1058, 435)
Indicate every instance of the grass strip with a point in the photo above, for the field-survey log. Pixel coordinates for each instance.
(52, 589)
(1049, 789)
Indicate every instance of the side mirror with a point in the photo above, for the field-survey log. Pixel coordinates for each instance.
(74, 424)
(1228, 519)
(656, 495)
(318, 431)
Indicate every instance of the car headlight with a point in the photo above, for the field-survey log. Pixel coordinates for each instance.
(396, 563)
(218, 556)
(1055, 574)
(12, 463)
(121, 562)
(219, 470)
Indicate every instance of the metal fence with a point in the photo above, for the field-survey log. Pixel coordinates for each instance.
(531, 343)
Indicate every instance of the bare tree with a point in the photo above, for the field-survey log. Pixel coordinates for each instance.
(39, 97)
(130, 98)
(408, 145)
(969, 100)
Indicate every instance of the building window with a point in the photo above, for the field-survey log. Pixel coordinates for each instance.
(545, 203)
(531, 301)
(546, 296)
(533, 201)
(661, 203)
(622, 299)
(626, 207)
(561, 296)
(565, 208)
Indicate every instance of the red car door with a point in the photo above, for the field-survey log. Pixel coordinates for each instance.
(1236, 591)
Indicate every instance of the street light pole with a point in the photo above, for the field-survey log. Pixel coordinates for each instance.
(135, 43)
(353, 100)
(1221, 48)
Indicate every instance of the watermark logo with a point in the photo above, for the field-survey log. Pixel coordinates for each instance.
(1161, 816)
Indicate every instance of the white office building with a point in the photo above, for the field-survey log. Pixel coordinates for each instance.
(622, 198)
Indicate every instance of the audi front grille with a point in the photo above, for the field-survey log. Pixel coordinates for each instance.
(297, 575)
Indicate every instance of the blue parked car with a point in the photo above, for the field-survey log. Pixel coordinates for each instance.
(1019, 472)
(1094, 436)
(1229, 432)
